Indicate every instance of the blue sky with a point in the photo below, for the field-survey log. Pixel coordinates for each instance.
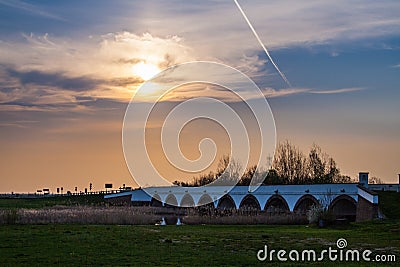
(66, 78)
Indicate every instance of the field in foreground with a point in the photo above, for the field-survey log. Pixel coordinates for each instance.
(211, 245)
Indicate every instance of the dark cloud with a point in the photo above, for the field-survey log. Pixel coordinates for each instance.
(8, 90)
(84, 98)
(129, 61)
(57, 80)
(19, 103)
(169, 61)
(53, 91)
(41, 107)
(123, 81)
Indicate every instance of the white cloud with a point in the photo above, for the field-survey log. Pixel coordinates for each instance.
(107, 56)
(271, 93)
(42, 69)
(217, 28)
(204, 90)
(337, 91)
(183, 31)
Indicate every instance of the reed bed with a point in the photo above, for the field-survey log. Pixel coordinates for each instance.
(141, 216)
(79, 215)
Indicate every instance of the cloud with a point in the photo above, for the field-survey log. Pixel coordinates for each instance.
(47, 91)
(213, 91)
(31, 9)
(49, 70)
(337, 91)
(44, 70)
(216, 31)
(18, 123)
(279, 24)
(262, 44)
(271, 93)
(396, 66)
(57, 80)
(106, 56)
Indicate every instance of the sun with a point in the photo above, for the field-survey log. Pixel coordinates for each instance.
(145, 70)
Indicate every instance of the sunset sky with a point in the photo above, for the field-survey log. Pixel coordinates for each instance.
(68, 70)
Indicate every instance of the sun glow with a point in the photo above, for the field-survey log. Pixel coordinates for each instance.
(145, 70)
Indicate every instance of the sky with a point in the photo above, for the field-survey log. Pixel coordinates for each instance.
(68, 70)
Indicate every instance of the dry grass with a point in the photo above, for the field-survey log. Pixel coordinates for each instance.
(80, 215)
(140, 216)
(249, 220)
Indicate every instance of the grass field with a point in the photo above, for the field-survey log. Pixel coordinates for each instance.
(389, 203)
(37, 203)
(180, 245)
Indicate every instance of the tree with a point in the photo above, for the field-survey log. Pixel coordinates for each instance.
(228, 171)
(321, 166)
(316, 164)
(332, 173)
(248, 175)
(292, 167)
(375, 180)
(290, 164)
(342, 179)
(272, 178)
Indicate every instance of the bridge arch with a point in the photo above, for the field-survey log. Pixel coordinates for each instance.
(187, 201)
(305, 203)
(276, 204)
(226, 202)
(205, 200)
(344, 206)
(250, 201)
(171, 201)
(156, 201)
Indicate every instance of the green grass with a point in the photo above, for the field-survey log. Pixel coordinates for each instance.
(37, 203)
(179, 245)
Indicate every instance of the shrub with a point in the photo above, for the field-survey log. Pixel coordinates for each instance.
(314, 214)
(9, 216)
(318, 213)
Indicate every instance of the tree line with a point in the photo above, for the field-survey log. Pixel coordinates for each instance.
(289, 166)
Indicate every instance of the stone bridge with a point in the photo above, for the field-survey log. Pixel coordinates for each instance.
(352, 201)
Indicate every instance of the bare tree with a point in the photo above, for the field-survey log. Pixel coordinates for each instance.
(322, 167)
(343, 179)
(290, 164)
(316, 164)
(292, 167)
(228, 172)
(375, 180)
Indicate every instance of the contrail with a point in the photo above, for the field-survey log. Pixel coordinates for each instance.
(261, 43)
